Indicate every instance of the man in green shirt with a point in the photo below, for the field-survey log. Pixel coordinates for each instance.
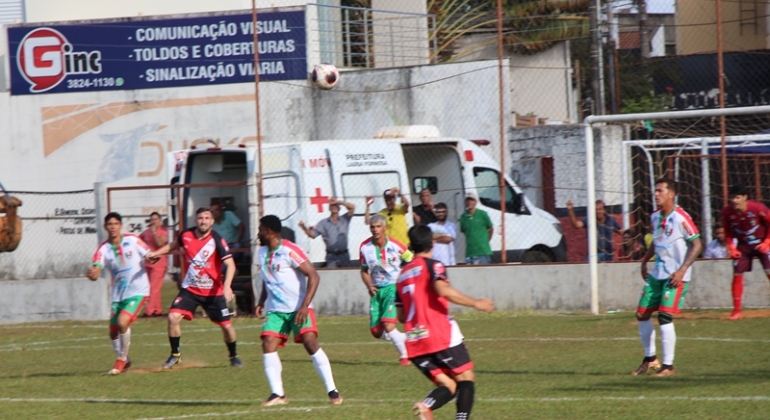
(478, 228)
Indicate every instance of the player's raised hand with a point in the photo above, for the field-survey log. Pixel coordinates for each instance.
(93, 273)
(259, 312)
(484, 305)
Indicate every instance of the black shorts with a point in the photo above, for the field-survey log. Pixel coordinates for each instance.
(452, 361)
(187, 302)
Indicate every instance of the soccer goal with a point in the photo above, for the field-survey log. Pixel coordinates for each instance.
(686, 146)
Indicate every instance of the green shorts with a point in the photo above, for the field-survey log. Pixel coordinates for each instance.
(658, 296)
(382, 308)
(130, 306)
(281, 324)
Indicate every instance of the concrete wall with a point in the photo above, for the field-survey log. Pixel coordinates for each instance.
(555, 287)
(54, 300)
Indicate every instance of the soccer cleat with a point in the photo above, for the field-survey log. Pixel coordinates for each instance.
(174, 359)
(665, 370)
(335, 398)
(236, 362)
(404, 361)
(128, 364)
(736, 316)
(275, 399)
(421, 411)
(645, 366)
(118, 368)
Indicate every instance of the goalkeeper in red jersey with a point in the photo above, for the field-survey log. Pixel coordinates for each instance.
(747, 234)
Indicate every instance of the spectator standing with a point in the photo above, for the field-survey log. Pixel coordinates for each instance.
(478, 229)
(155, 237)
(334, 231)
(630, 249)
(606, 226)
(717, 248)
(395, 215)
(424, 212)
(444, 234)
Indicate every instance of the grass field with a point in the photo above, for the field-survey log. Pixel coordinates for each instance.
(528, 366)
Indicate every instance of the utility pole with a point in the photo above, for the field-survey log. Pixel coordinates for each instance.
(644, 36)
(597, 84)
(613, 69)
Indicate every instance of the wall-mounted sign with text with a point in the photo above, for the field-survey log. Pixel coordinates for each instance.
(146, 54)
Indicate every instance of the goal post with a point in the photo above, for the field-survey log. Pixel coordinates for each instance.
(625, 189)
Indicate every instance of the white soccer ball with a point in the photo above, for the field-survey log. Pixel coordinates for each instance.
(325, 76)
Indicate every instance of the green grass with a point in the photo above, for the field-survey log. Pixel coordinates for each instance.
(533, 366)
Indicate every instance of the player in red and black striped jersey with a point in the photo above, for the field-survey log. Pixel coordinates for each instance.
(433, 339)
(204, 253)
(748, 222)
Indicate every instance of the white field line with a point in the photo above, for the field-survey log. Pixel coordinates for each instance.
(757, 398)
(236, 413)
(32, 346)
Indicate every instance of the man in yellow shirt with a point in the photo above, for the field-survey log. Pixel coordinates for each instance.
(394, 215)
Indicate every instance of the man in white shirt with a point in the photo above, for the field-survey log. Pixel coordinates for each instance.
(717, 248)
(444, 235)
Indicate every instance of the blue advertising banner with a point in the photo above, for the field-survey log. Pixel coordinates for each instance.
(146, 54)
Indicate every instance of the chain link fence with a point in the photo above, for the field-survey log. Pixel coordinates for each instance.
(59, 236)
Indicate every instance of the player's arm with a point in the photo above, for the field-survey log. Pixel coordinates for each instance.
(97, 263)
(764, 216)
(229, 275)
(645, 259)
(455, 296)
(165, 249)
(312, 285)
(696, 246)
(261, 303)
(404, 199)
(730, 241)
(367, 279)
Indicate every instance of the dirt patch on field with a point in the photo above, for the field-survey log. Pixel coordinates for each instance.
(160, 369)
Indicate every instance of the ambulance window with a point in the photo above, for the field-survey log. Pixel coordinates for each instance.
(356, 186)
(487, 187)
(281, 196)
(425, 183)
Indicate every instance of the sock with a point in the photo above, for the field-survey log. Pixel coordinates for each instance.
(647, 334)
(324, 369)
(116, 346)
(668, 339)
(273, 370)
(231, 349)
(438, 397)
(399, 341)
(737, 292)
(465, 392)
(174, 341)
(125, 343)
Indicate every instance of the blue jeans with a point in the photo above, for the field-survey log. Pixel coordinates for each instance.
(478, 260)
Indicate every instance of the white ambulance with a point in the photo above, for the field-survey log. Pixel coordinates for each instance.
(299, 178)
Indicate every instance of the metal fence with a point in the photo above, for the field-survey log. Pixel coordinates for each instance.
(59, 236)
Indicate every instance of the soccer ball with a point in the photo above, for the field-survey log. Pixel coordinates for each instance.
(325, 76)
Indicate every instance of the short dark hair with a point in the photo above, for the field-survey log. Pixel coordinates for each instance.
(271, 222)
(155, 213)
(670, 183)
(738, 190)
(441, 205)
(113, 215)
(717, 227)
(420, 238)
(202, 209)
